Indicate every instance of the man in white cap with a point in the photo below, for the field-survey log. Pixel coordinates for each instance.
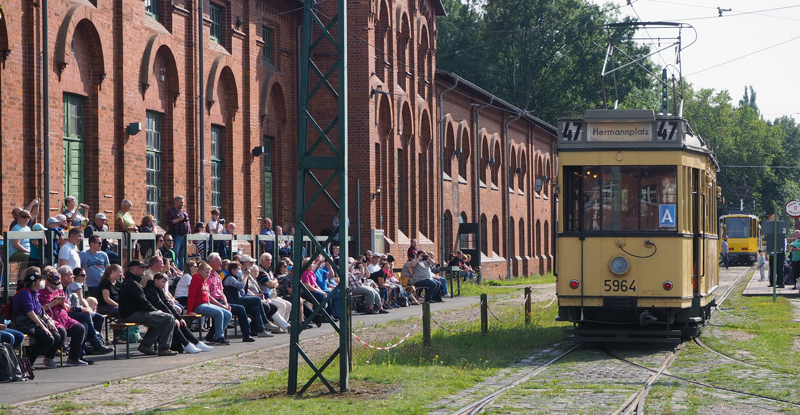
(100, 224)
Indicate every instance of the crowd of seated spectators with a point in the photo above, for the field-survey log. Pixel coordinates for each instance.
(90, 287)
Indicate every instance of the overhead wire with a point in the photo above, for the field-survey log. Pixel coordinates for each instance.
(744, 56)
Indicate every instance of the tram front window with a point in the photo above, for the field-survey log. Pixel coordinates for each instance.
(620, 198)
(737, 227)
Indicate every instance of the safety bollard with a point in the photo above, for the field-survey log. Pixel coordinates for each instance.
(484, 315)
(527, 306)
(426, 324)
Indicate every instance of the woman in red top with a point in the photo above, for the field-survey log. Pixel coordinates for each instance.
(201, 303)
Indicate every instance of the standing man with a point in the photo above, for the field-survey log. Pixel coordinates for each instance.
(68, 254)
(794, 251)
(413, 249)
(100, 224)
(179, 226)
(94, 263)
(134, 308)
(724, 252)
(268, 246)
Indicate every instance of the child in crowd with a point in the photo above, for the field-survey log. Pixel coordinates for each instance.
(92, 303)
(411, 294)
(761, 262)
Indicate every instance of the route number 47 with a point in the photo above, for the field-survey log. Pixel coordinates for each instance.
(666, 130)
(572, 131)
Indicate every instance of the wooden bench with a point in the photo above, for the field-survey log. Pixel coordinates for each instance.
(122, 326)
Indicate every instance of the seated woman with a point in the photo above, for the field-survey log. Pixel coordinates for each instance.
(11, 336)
(309, 280)
(54, 302)
(201, 302)
(258, 310)
(29, 318)
(273, 306)
(73, 282)
(182, 288)
(108, 298)
(182, 338)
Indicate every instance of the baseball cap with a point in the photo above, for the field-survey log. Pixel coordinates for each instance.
(52, 220)
(137, 263)
(101, 215)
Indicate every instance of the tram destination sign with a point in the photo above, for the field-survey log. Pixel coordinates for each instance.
(793, 209)
(619, 131)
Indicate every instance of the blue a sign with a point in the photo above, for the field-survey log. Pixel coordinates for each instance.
(666, 216)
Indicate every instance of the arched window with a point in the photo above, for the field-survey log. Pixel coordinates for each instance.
(496, 235)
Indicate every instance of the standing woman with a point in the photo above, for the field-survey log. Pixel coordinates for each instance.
(125, 222)
(29, 319)
(20, 249)
(54, 302)
(71, 211)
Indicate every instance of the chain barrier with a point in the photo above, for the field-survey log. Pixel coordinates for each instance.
(474, 316)
(524, 300)
(394, 345)
(555, 297)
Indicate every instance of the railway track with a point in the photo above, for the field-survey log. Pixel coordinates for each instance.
(558, 375)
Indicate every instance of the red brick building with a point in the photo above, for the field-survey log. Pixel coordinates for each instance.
(113, 65)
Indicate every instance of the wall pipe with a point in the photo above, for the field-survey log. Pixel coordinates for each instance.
(45, 113)
(508, 193)
(443, 239)
(477, 173)
(202, 108)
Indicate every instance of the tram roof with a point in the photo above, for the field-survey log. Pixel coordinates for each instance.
(629, 130)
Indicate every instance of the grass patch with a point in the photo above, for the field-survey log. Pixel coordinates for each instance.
(68, 407)
(408, 379)
(532, 280)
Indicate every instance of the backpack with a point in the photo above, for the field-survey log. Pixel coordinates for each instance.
(132, 334)
(10, 368)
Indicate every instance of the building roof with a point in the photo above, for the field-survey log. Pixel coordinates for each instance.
(497, 102)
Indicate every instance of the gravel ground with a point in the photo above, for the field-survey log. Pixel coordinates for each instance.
(159, 390)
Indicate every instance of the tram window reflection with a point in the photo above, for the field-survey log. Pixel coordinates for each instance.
(618, 198)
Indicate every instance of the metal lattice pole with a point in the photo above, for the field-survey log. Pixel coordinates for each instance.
(321, 177)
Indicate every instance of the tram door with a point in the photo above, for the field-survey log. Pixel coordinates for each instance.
(695, 223)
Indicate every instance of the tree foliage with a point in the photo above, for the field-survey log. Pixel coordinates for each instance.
(543, 56)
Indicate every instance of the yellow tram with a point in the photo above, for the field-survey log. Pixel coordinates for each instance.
(744, 237)
(637, 237)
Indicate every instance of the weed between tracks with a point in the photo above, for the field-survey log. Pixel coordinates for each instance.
(407, 379)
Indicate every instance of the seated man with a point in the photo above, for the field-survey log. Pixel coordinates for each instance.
(134, 308)
(182, 339)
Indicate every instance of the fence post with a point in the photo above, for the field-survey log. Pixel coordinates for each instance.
(484, 315)
(426, 324)
(527, 306)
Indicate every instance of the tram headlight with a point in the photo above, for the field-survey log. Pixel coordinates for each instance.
(619, 266)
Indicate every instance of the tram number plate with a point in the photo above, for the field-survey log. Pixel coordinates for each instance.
(619, 285)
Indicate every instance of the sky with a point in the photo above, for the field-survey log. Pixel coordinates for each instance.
(767, 29)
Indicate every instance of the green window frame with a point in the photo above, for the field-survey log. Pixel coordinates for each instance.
(266, 35)
(268, 194)
(151, 8)
(153, 164)
(216, 166)
(216, 23)
(73, 146)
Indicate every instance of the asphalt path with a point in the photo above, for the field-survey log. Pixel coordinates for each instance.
(50, 382)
